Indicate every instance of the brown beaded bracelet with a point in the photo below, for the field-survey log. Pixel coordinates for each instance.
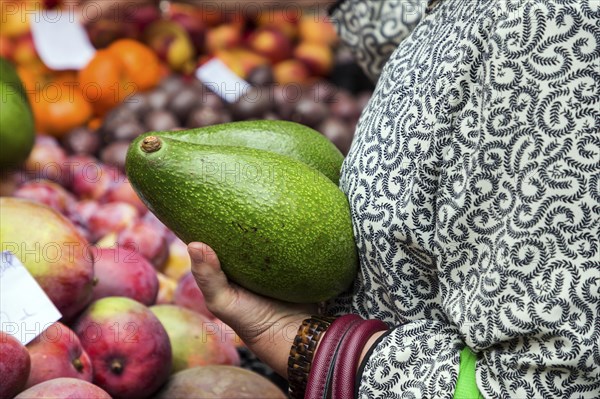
(302, 352)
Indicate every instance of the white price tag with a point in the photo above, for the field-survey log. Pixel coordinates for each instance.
(60, 40)
(219, 78)
(25, 309)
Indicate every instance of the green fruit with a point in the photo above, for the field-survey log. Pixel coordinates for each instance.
(286, 138)
(17, 132)
(8, 75)
(279, 227)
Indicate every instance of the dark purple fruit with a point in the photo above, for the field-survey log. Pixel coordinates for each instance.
(127, 131)
(206, 116)
(345, 107)
(253, 104)
(158, 99)
(82, 141)
(114, 154)
(339, 132)
(322, 92)
(310, 113)
(171, 84)
(262, 75)
(285, 99)
(138, 104)
(183, 102)
(212, 100)
(160, 120)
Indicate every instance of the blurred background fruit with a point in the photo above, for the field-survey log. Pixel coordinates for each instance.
(142, 79)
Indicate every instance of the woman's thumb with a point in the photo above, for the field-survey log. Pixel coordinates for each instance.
(206, 269)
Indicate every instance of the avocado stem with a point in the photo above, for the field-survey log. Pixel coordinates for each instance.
(151, 144)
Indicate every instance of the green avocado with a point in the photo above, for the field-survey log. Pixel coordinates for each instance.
(280, 228)
(17, 132)
(8, 75)
(286, 138)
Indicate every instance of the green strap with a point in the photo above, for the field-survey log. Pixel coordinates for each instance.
(466, 386)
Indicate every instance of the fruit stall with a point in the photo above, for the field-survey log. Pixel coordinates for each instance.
(98, 299)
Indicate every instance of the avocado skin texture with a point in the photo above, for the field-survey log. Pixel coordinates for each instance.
(280, 228)
(17, 130)
(9, 76)
(286, 138)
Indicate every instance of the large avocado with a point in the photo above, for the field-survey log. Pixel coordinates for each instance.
(280, 228)
(17, 131)
(286, 138)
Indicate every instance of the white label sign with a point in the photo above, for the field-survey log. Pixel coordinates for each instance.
(25, 309)
(60, 40)
(219, 78)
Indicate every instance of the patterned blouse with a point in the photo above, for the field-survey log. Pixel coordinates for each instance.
(474, 184)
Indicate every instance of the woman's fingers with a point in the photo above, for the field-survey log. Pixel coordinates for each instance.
(206, 269)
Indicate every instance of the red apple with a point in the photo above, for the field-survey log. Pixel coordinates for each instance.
(112, 217)
(188, 295)
(47, 193)
(57, 353)
(141, 237)
(123, 272)
(129, 347)
(67, 388)
(14, 366)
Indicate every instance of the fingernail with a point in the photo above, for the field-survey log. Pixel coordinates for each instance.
(196, 252)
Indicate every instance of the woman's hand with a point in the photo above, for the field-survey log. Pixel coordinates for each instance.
(266, 326)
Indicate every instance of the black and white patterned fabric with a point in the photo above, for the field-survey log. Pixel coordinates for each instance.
(474, 184)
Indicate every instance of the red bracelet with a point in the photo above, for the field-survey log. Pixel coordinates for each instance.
(344, 371)
(320, 371)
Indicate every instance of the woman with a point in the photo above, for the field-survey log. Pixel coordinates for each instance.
(474, 184)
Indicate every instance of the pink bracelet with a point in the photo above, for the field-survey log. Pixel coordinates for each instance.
(344, 371)
(320, 371)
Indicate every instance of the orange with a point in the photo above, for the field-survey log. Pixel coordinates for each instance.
(104, 82)
(141, 63)
(59, 107)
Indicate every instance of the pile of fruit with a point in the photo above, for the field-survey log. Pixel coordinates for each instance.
(134, 321)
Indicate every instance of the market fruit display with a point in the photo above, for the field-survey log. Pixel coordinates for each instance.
(52, 250)
(16, 120)
(195, 339)
(15, 365)
(281, 228)
(68, 388)
(129, 347)
(282, 137)
(57, 353)
(219, 382)
(142, 80)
